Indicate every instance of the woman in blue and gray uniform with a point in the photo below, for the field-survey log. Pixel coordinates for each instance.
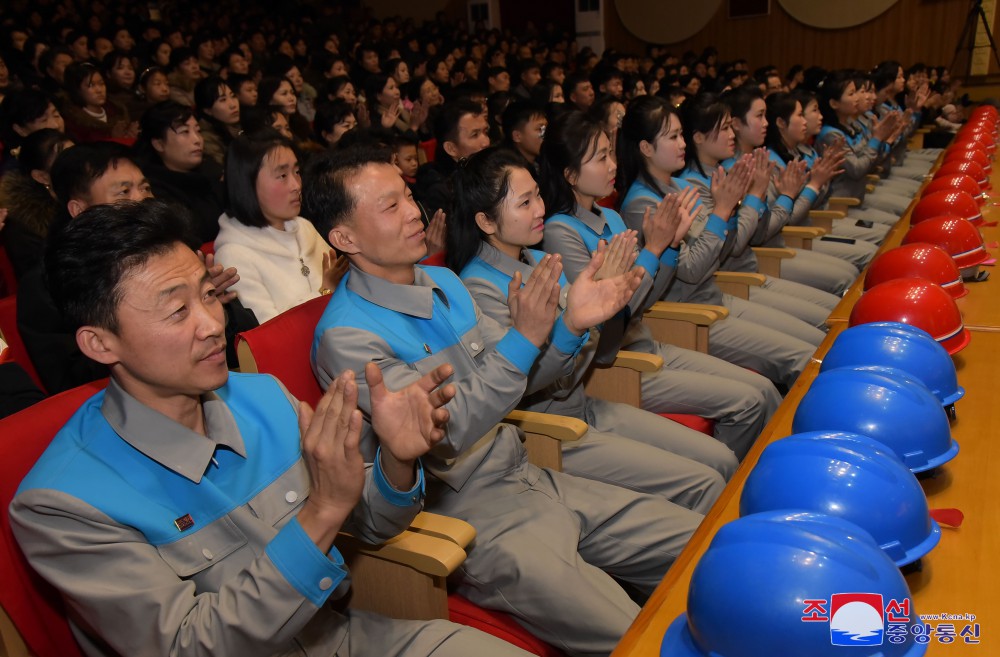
(787, 127)
(890, 83)
(849, 226)
(839, 105)
(710, 142)
(690, 382)
(499, 214)
(650, 149)
(892, 179)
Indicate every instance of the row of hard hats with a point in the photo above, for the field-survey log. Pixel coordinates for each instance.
(833, 509)
(836, 508)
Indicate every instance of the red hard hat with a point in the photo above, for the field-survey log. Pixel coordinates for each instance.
(955, 235)
(917, 302)
(917, 260)
(974, 155)
(952, 201)
(961, 144)
(958, 181)
(964, 166)
(984, 110)
(983, 136)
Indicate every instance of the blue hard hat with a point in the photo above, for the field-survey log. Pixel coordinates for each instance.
(848, 476)
(901, 414)
(905, 347)
(747, 593)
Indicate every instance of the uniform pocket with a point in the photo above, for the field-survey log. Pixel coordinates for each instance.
(204, 548)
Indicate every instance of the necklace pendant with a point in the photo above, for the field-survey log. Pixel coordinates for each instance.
(305, 268)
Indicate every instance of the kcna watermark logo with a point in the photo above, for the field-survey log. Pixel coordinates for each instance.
(866, 619)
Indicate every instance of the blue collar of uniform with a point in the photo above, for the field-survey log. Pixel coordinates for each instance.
(693, 173)
(416, 300)
(163, 440)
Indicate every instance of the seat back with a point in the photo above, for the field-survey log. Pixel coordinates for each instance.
(281, 346)
(32, 604)
(8, 329)
(8, 280)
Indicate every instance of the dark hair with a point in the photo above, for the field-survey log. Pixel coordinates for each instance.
(335, 84)
(46, 59)
(480, 186)
(21, 108)
(279, 65)
(75, 76)
(39, 150)
(330, 114)
(180, 55)
(374, 84)
(229, 54)
(145, 77)
(704, 113)
(571, 82)
(446, 123)
(569, 140)
(517, 115)
(156, 121)
(741, 99)
(76, 169)
(646, 118)
(256, 119)
(267, 87)
(110, 61)
(244, 160)
(88, 258)
(326, 200)
(793, 71)
(885, 74)
(833, 88)
(779, 106)
(206, 92)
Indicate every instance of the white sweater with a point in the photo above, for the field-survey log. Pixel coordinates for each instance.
(267, 261)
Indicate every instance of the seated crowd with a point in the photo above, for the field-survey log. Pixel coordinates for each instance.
(171, 181)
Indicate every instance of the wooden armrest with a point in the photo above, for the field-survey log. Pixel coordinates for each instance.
(248, 364)
(801, 237)
(742, 277)
(451, 529)
(416, 563)
(638, 361)
(622, 382)
(869, 189)
(873, 178)
(824, 218)
(769, 259)
(699, 314)
(779, 252)
(544, 435)
(11, 643)
(844, 201)
(554, 426)
(737, 283)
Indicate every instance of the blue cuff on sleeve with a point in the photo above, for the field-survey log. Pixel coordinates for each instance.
(754, 202)
(648, 261)
(313, 574)
(785, 202)
(717, 226)
(669, 257)
(810, 194)
(518, 350)
(874, 143)
(393, 496)
(565, 341)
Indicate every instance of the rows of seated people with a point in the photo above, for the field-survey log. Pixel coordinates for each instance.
(151, 218)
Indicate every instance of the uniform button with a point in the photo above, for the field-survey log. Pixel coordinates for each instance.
(325, 584)
(207, 554)
(291, 496)
(475, 346)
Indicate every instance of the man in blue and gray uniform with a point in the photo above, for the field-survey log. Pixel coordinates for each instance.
(548, 544)
(178, 512)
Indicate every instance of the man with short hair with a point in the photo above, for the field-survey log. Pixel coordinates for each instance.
(524, 126)
(530, 74)
(461, 131)
(547, 543)
(184, 509)
(578, 91)
(498, 79)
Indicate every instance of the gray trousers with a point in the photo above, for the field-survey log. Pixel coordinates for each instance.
(828, 274)
(549, 545)
(371, 635)
(643, 452)
(795, 299)
(773, 319)
(893, 204)
(858, 254)
(905, 182)
(738, 400)
(882, 223)
(747, 342)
